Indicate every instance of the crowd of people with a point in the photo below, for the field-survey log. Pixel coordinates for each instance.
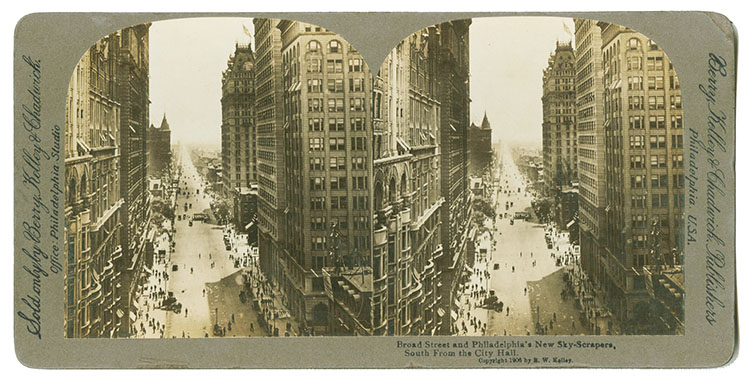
(151, 318)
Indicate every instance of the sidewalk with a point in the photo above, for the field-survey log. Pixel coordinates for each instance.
(275, 314)
(277, 318)
(474, 293)
(151, 321)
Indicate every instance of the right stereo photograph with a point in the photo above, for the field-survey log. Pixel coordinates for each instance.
(527, 180)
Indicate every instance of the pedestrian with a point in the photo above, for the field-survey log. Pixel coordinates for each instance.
(252, 327)
(186, 312)
(232, 317)
(524, 291)
(507, 311)
(513, 269)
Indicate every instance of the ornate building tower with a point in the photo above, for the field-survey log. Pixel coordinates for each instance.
(237, 122)
(559, 137)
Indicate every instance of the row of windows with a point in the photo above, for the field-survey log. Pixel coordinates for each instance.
(359, 223)
(338, 183)
(657, 181)
(656, 161)
(655, 122)
(315, 124)
(334, 66)
(652, 64)
(335, 105)
(640, 201)
(339, 202)
(334, 46)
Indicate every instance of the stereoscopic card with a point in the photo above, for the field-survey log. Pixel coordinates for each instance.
(375, 190)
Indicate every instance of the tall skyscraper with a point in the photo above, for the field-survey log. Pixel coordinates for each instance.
(452, 49)
(133, 94)
(644, 167)
(237, 117)
(323, 136)
(269, 123)
(407, 199)
(559, 146)
(592, 188)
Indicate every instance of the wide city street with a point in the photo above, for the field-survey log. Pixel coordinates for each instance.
(201, 273)
(523, 272)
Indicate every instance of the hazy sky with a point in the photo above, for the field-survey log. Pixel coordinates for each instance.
(507, 58)
(186, 60)
(508, 55)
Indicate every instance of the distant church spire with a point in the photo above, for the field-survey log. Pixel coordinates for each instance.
(485, 122)
(164, 123)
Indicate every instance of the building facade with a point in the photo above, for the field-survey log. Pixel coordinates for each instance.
(95, 300)
(407, 199)
(452, 49)
(237, 122)
(159, 148)
(480, 148)
(559, 140)
(322, 134)
(133, 95)
(643, 166)
(270, 158)
(592, 189)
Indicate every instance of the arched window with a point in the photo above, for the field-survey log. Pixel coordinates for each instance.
(72, 191)
(334, 47)
(83, 190)
(403, 184)
(313, 47)
(634, 43)
(378, 196)
(392, 190)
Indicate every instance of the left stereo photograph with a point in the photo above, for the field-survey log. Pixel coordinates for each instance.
(184, 170)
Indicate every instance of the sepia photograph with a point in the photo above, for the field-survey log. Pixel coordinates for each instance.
(528, 181)
(254, 177)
